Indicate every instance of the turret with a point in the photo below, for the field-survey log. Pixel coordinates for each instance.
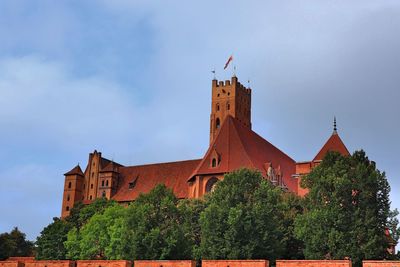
(229, 98)
(73, 190)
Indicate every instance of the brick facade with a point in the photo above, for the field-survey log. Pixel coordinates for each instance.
(11, 264)
(165, 263)
(381, 263)
(235, 263)
(50, 263)
(313, 263)
(103, 263)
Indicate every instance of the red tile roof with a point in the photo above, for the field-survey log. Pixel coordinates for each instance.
(75, 171)
(240, 147)
(334, 143)
(145, 177)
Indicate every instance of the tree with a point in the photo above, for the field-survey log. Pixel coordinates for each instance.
(100, 238)
(241, 220)
(153, 230)
(50, 243)
(347, 209)
(15, 244)
(190, 210)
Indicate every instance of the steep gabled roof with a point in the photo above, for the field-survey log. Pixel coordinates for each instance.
(141, 179)
(334, 143)
(240, 147)
(75, 171)
(111, 167)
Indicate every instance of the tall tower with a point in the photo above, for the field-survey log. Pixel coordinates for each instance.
(72, 190)
(229, 98)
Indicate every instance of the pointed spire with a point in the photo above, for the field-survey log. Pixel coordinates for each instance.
(334, 125)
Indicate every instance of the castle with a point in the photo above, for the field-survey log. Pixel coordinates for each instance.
(233, 145)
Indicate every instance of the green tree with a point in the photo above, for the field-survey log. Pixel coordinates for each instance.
(347, 209)
(14, 244)
(100, 238)
(241, 220)
(153, 230)
(50, 243)
(190, 210)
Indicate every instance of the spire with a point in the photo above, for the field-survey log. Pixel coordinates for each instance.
(334, 125)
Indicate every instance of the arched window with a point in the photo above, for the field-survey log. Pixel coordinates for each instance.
(210, 185)
(91, 186)
(217, 123)
(67, 208)
(217, 107)
(69, 185)
(214, 163)
(107, 183)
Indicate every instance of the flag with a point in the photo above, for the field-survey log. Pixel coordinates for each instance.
(229, 61)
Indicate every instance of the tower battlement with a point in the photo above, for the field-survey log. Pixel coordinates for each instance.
(231, 98)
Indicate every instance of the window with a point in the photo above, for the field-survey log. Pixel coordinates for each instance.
(84, 186)
(69, 185)
(92, 174)
(91, 186)
(103, 194)
(217, 123)
(210, 186)
(228, 106)
(67, 208)
(68, 198)
(217, 107)
(214, 163)
(107, 183)
(102, 183)
(229, 93)
(90, 197)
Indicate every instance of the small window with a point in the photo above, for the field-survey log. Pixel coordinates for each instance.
(68, 198)
(67, 208)
(69, 185)
(217, 107)
(103, 194)
(90, 197)
(91, 186)
(84, 186)
(107, 183)
(214, 163)
(218, 95)
(229, 93)
(217, 123)
(102, 183)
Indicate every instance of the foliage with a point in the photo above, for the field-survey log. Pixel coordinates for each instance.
(347, 209)
(190, 210)
(14, 244)
(241, 220)
(50, 243)
(153, 230)
(100, 237)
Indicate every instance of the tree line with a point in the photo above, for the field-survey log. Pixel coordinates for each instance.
(344, 215)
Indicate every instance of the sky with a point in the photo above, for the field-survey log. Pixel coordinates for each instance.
(132, 79)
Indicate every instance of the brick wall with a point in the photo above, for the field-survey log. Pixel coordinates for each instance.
(172, 263)
(104, 263)
(313, 263)
(235, 263)
(381, 263)
(49, 263)
(11, 264)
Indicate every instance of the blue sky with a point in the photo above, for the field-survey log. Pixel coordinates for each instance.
(132, 79)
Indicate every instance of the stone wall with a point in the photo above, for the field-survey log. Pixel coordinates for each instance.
(235, 263)
(165, 263)
(313, 263)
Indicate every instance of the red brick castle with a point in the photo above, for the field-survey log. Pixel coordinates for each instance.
(233, 145)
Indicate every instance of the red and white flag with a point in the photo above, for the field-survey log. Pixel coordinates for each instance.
(229, 61)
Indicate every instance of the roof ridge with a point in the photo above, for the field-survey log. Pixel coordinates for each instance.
(160, 163)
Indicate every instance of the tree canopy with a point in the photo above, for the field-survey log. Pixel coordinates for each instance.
(14, 244)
